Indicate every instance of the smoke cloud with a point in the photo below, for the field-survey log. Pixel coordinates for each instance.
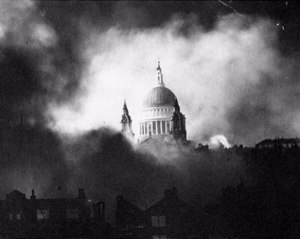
(106, 165)
(219, 141)
(220, 77)
(64, 77)
(31, 154)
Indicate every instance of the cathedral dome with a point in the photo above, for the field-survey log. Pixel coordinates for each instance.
(159, 96)
(161, 117)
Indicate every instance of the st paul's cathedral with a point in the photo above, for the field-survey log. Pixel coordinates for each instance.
(160, 119)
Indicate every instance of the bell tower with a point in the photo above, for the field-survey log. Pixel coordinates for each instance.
(178, 123)
(126, 122)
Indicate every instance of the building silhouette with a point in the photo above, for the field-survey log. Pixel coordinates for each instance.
(51, 218)
(161, 118)
(130, 220)
(170, 217)
(278, 142)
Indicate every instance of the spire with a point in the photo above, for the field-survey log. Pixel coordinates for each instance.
(126, 122)
(159, 75)
(125, 117)
(125, 109)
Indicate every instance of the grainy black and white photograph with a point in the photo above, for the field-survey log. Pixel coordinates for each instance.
(149, 119)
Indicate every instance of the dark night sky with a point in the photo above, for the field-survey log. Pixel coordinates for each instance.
(148, 14)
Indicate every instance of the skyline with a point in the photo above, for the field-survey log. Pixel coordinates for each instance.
(74, 63)
(67, 66)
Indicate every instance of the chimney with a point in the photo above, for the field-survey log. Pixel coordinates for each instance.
(32, 197)
(81, 194)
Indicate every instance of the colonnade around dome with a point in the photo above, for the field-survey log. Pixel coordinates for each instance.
(155, 127)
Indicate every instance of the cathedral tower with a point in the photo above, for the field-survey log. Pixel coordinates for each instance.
(178, 123)
(126, 123)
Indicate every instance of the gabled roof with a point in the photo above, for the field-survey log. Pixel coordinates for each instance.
(166, 203)
(15, 194)
(128, 205)
(170, 201)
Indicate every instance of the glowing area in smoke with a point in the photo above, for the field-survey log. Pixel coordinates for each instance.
(218, 141)
(210, 72)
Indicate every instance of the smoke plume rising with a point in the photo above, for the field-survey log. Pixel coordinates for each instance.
(106, 165)
(217, 75)
(68, 69)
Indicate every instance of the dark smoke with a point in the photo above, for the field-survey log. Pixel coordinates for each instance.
(18, 82)
(34, 70)
(106, 165)
(271, 110)
(41, 60)
(32, 158)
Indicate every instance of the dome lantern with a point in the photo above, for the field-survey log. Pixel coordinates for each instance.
(159, 75)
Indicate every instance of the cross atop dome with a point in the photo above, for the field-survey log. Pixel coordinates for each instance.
(159, 75)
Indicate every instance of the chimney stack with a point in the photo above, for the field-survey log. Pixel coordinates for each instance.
(32, 197)
(81, 194)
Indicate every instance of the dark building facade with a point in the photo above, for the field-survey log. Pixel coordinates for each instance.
(130, 220)
(168, 218)
(171, 218)
(51, 218)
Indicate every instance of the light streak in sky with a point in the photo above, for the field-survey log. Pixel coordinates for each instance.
(229, 6)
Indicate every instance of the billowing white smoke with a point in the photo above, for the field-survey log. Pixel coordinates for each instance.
(209, 71)
(218, 141)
